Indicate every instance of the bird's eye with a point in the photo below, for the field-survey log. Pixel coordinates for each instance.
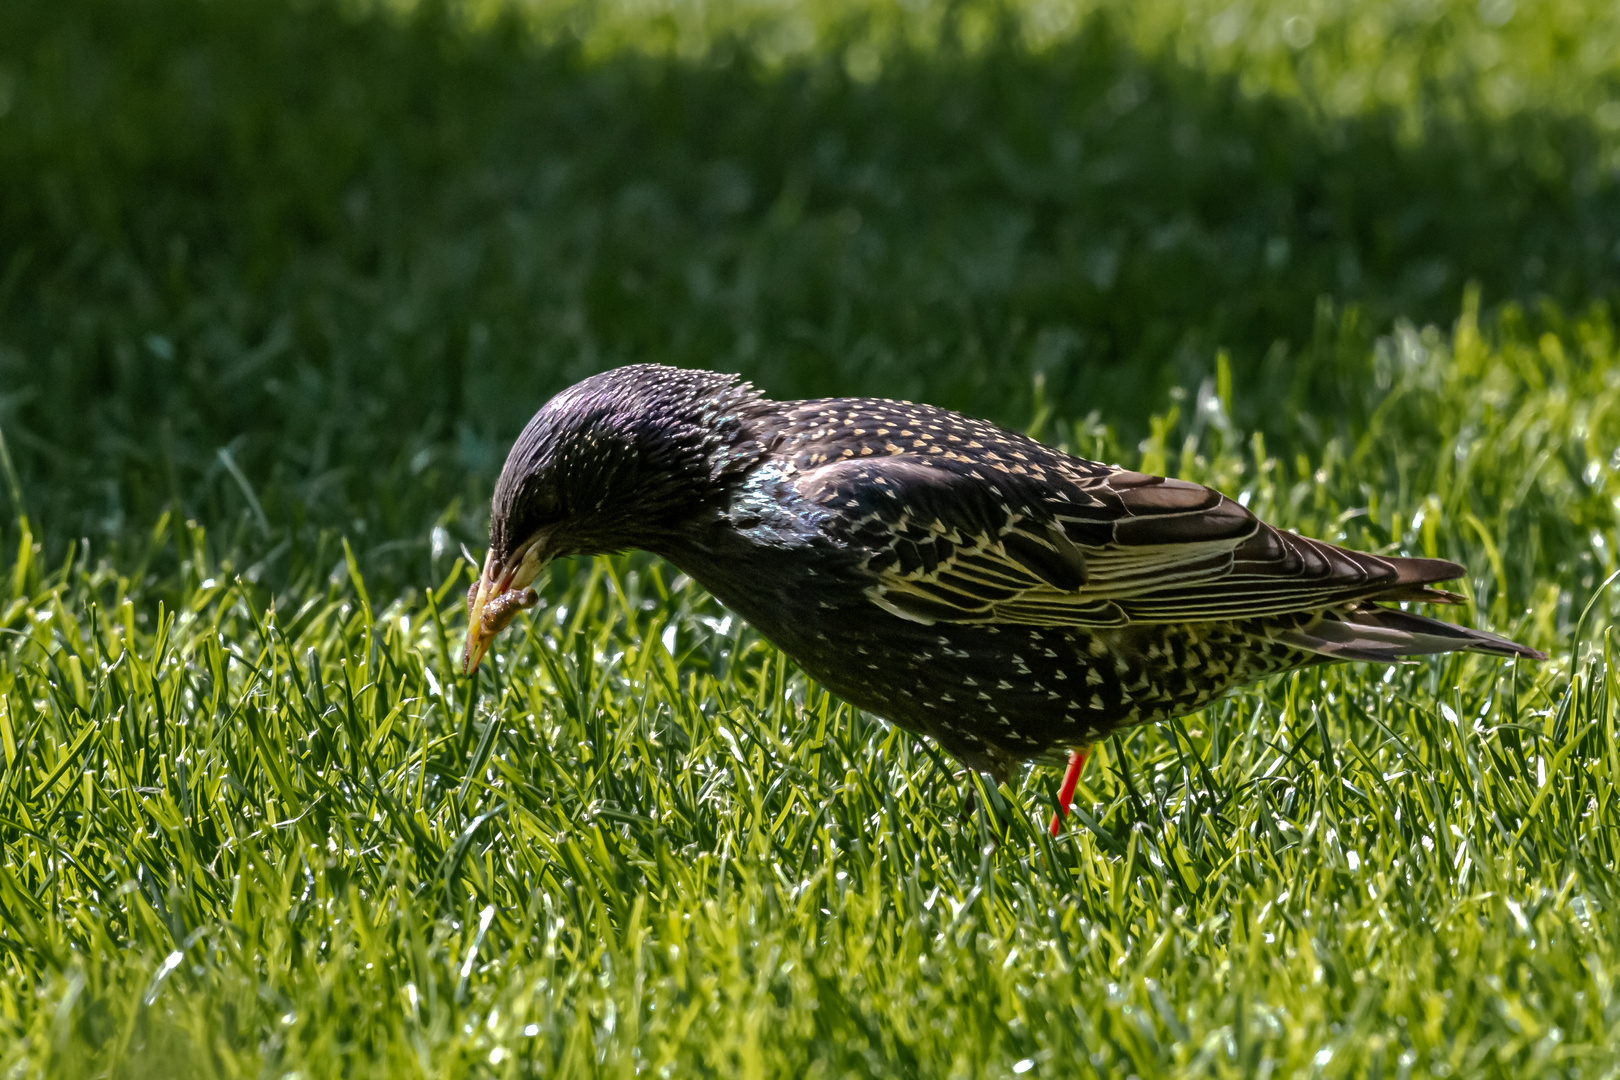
(542, 506)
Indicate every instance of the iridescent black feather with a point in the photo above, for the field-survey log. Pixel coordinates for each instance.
(963, 581)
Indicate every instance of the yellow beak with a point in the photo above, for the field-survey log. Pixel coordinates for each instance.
(479, 634)
(496, 600)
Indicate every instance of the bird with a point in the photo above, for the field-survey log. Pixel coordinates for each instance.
(1009, 601)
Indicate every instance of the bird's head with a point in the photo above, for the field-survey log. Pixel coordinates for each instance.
(617, 461)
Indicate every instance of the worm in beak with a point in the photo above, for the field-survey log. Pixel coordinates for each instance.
(494, 600)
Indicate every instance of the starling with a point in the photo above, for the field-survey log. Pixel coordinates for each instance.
(1005, 599)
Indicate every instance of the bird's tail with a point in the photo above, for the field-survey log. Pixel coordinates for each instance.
(1371, 632)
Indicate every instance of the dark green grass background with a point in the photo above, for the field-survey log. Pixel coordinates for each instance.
(279, 281)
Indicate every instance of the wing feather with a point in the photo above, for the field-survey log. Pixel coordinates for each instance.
(949, 542)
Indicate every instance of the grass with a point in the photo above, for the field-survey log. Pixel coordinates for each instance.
(277, 283)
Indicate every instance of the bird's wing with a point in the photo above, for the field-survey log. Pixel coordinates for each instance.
(953, 541)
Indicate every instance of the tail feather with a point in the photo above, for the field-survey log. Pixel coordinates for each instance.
(1369, 632)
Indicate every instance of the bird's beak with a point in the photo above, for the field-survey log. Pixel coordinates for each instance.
(496, 598)
(478, 637)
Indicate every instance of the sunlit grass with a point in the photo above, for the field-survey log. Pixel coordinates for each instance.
(1343, 58)
(268, 831)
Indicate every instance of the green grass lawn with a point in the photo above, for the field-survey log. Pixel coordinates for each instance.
(280, 281)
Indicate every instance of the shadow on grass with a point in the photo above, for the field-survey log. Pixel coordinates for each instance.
(351, 249)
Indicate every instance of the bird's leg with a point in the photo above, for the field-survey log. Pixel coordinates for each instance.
(1071, 778)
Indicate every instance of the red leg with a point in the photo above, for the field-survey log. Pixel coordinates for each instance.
(1077, 762)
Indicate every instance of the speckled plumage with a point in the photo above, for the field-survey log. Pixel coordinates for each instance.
(967, 583)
